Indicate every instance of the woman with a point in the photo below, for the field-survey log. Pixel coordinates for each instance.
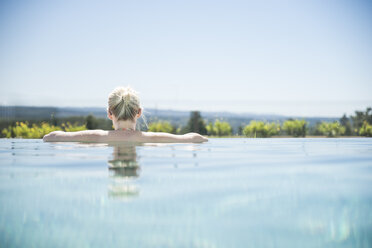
(124, 109)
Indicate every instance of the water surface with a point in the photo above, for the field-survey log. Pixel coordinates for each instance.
(223, 193)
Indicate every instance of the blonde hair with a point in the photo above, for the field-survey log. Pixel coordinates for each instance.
(124, 103)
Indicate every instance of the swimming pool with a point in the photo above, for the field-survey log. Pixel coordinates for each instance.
(224, 193)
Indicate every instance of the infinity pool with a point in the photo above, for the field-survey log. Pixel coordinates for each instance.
(224, 193)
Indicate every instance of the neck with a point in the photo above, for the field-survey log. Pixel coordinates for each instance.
(118, 125)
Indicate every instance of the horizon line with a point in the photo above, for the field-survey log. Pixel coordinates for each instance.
(262, 113)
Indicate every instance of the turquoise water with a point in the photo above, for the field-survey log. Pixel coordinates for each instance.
(224, 193)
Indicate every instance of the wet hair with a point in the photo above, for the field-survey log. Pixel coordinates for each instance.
(124, 103)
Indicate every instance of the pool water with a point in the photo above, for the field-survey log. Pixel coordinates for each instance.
(223, 193)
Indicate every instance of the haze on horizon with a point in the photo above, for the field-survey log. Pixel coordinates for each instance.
(290, 58)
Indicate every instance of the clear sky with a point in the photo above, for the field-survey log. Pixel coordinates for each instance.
(306, 58)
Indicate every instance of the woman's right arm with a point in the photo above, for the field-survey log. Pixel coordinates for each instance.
(155, 137)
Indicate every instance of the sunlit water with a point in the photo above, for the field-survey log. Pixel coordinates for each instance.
(224, 193)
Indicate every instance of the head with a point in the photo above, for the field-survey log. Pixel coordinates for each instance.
(124, 105)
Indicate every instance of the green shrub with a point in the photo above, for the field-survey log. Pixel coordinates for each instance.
(24, 130)
(331, 129)
(161, 126)
(210, 129)
(73, 128)
(366, 129)
(295, 128)
(219, 128)
(260, 129)
(34, 131)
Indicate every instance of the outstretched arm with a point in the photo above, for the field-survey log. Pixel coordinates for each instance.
(173, 138)
(115, 136)
(82, 136)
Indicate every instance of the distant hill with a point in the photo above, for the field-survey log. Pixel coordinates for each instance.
(176, 117)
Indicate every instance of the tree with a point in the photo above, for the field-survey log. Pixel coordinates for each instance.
(360, 117)
(196, 124)
(295, 128)
(240, 130)
(53, 120)
(345, 122)
(91, 122)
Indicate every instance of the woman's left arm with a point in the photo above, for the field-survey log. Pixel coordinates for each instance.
(82, 136)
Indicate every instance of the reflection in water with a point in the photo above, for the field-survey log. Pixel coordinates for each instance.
(123, 168)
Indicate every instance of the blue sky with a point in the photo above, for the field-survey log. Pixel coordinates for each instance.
(306, 58)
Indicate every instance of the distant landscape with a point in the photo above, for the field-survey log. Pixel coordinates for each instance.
(14, 119)
(175, 117)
